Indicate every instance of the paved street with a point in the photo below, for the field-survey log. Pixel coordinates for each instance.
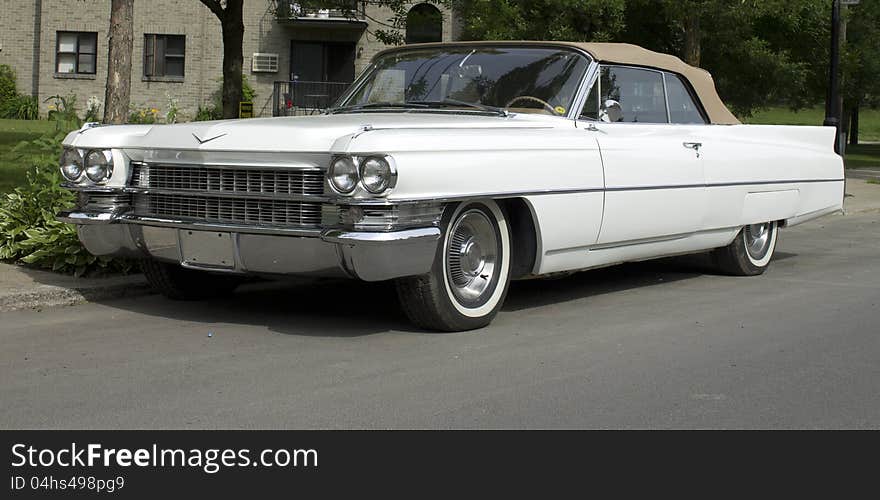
(651, 345)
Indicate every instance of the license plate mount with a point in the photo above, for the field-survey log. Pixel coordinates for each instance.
(207, 249)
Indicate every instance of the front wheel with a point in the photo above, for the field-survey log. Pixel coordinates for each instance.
(471, 273)
(750, 252)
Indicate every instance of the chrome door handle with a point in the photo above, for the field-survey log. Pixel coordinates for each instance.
(693, 145)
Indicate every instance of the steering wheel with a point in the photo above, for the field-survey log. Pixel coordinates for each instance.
(531, 98)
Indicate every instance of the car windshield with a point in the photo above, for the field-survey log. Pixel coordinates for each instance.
(480, 79)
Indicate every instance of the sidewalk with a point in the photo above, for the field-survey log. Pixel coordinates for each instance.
(861, 196)
(24, 288)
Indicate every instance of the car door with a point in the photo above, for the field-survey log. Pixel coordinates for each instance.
(654, 179)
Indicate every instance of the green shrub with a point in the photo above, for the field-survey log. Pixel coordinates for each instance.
(7, 84)
(63, 112)
(214, 111)
(29, 232)
(12, 104)
(20, 107)
(143, 115)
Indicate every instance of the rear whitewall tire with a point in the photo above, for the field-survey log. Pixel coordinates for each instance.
(750, 253)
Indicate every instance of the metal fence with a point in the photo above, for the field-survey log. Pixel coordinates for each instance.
(299, 97)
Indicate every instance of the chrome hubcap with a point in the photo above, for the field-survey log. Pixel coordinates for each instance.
(471, 257)
(757, 238)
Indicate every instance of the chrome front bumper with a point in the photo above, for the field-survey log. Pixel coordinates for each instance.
(370, 256)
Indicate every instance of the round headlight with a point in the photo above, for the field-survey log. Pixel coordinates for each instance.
(99, 165)
(343, 175)
(71, 164)
(376, 174)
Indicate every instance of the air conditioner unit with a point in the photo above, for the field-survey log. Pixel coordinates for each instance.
(264, 63)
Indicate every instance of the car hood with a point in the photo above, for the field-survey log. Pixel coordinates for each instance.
(319, 133)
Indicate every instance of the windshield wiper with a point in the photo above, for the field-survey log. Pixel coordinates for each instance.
(455, 102)
(379, 105)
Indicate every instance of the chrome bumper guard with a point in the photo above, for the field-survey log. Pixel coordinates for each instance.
(370, 256)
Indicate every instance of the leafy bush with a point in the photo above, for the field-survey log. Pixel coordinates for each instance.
(7, 83)
(143, 115)
(29, 232)
(20, 107)
(214, 111)
(12, 104)
(63, 112)
(93, 108)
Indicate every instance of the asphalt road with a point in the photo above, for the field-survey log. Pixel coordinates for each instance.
(650, 345)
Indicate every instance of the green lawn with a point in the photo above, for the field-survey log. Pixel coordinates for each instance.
(869, 120)
(863, 156)
(12, 172)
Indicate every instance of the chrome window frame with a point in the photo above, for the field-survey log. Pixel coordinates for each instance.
(664, 74)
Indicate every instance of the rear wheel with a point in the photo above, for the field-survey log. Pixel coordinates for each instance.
(750, 252)
(471, 273)
(179, 283)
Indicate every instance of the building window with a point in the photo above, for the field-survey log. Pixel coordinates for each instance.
(164, 56)
(76, 53)
(424, 23)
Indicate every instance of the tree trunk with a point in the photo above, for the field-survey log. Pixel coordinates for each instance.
(233, 38)
(854, 126)
(118, 94)
(692, 38)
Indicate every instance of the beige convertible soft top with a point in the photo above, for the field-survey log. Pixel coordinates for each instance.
(625, 53)
(701, 80)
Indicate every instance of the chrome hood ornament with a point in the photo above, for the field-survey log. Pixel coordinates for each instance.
(208, 139)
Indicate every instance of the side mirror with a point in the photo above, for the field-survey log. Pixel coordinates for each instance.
(611, 112)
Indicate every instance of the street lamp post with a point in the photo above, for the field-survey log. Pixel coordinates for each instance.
(832, 101)
(833, 109)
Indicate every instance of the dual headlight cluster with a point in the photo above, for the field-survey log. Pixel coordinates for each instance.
(376, 174)
(95, 165)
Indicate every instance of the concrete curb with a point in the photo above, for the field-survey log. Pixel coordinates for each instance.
(36, 296)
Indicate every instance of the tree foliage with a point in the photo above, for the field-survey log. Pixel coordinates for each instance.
(572, 20)
(760, 52)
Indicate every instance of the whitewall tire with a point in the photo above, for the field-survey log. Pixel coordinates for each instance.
(468, 282)
(750, 252)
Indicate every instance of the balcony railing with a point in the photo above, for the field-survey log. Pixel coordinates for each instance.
(319, 10)
(299, 97)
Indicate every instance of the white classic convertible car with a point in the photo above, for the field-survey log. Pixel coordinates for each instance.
(454, 169)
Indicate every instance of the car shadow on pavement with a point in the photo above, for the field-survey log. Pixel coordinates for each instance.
(348, 308)
(324, 308)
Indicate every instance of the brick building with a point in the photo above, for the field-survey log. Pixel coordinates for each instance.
(60, 47)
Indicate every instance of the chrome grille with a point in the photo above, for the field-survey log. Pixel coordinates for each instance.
(224, 195)
(204, 179)
(229, 210)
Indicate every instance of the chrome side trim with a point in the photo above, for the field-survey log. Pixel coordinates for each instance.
(75, 217)
(370, 238)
